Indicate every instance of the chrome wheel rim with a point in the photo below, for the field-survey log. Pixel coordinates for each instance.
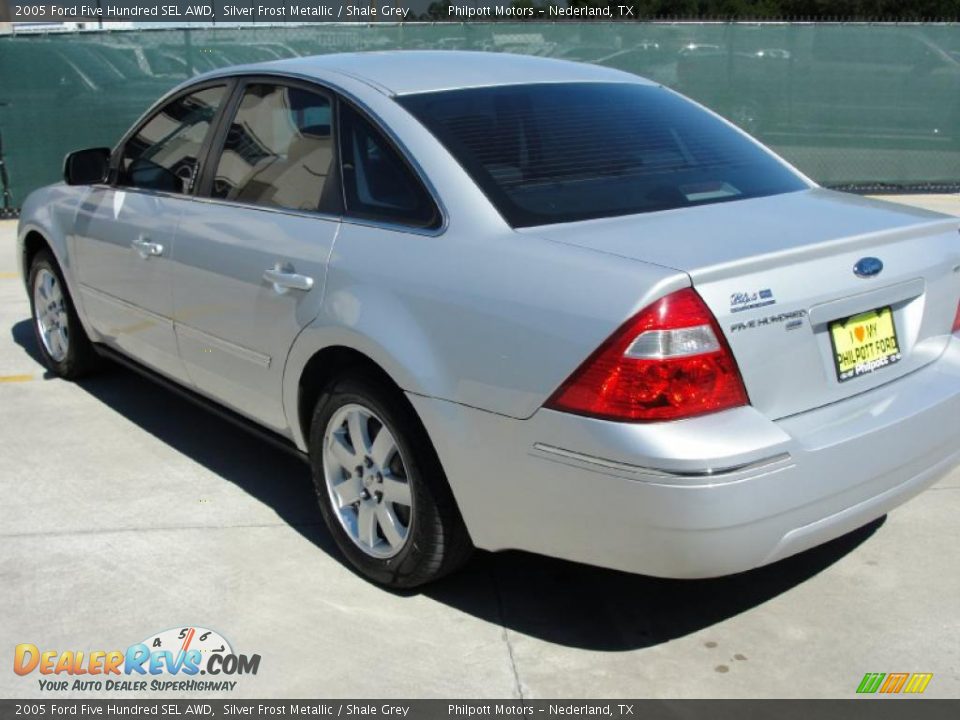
(50, 309)
(367, 481)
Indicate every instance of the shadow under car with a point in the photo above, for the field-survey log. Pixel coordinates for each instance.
(553, 600)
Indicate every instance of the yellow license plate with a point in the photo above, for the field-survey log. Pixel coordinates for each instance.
(864, 343)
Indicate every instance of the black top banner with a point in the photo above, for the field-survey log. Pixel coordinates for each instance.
(299, 11)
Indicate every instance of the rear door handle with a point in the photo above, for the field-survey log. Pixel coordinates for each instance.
(283, 279)
(146, 248)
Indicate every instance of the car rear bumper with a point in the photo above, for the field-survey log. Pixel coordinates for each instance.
(702, 497)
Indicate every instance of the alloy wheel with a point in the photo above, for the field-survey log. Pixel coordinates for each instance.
(50, 309)
(367, 481)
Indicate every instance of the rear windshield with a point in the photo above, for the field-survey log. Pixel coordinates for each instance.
(561, 152)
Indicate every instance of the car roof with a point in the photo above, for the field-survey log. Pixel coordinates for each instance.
(401, 72)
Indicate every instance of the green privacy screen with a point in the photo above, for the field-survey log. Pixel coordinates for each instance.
(867, 106)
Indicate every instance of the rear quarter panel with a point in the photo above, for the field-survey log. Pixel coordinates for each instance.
(493, 322)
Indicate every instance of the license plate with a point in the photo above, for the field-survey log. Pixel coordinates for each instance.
(864, 343)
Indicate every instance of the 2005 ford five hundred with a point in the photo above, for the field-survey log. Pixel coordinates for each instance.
(510, 302)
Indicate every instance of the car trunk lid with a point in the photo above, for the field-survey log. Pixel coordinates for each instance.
(778, 271)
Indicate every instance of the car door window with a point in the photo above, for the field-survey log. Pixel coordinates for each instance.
(279, 150)
(377, 183)
(164, 154)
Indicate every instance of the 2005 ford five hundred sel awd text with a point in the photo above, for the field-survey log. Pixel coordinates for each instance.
(511, 302)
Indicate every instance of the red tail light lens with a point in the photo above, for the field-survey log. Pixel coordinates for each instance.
(956, 321)
(669, 361)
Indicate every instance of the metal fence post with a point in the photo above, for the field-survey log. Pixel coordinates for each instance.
(7, 211)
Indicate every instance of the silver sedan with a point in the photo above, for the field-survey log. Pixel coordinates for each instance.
(511, 302)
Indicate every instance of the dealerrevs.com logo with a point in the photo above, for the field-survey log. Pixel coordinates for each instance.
(170, 660)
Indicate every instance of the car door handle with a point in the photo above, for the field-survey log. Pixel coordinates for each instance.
(146, 248)
(284, 279)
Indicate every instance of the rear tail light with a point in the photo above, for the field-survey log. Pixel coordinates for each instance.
(669, 361)
(956, 321)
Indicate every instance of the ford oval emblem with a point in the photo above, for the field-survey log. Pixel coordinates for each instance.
(868, 267)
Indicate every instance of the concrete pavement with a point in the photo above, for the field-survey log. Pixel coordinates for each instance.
(125, 511)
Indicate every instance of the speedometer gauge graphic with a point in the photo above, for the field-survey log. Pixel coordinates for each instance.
(182, 639)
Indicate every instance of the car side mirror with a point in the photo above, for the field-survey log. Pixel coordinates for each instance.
(86, 167)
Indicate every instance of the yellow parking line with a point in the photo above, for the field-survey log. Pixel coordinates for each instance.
(9, 275)
(15, 378)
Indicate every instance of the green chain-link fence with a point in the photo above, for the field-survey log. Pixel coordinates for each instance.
(855, 105)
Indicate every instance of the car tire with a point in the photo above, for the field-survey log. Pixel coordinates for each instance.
(384, 498)
(64, 346)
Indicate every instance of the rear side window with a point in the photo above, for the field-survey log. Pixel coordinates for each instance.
(561, 152)
(377, 183)
(279, 149)
(164, 153)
